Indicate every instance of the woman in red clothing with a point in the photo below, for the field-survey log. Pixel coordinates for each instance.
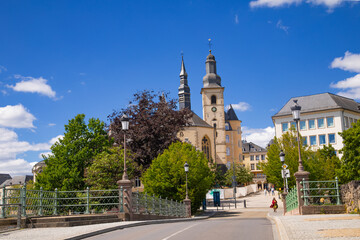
(274, 204)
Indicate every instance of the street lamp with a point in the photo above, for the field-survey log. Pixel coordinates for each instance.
(296, 115)
(186, 167)
(125, 126)
(282, 159)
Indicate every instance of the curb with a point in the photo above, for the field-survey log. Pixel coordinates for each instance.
(281, 232)
(106, 230)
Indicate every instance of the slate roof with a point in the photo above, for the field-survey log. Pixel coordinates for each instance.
(230, 115)
(318, 102)
(196, 121)
(249, 147)
(17, 180)
(4, 177)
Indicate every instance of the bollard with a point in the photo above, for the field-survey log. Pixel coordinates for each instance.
(244, 203)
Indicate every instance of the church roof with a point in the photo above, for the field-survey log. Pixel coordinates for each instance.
(17, 180)
(318, 102)
(230, 115)
(196, 121)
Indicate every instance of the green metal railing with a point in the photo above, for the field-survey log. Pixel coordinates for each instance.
(292, 199)
(43, 203)
(321, 192)
(143, 203)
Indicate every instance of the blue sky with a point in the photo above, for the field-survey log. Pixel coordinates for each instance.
(62, 58)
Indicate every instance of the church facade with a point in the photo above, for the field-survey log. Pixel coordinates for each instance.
(218, 132)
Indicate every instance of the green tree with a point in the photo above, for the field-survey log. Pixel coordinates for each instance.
(153, 125)
(242, 175)
(166, 176)
(350, 161)
(108, 167)
(72, 154)
(219, 175)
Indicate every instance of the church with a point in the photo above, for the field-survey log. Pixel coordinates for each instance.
(218, 132)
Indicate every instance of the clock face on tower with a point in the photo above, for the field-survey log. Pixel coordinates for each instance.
(213, 109)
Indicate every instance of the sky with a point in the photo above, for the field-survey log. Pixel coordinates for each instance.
(62, 58)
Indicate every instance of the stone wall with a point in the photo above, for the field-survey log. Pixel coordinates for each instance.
(350, 196)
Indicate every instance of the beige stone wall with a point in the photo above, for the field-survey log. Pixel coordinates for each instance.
(234, 144)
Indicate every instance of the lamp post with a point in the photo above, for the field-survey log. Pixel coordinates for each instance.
(125, 126)
(296, 115)
(234, 182)
(186, 167)
(282, 159)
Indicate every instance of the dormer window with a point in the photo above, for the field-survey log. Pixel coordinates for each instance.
(213, 99)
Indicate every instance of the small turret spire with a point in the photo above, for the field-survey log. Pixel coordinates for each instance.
(184, 89)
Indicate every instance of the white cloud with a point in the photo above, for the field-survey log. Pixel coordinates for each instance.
(51, 124)
(2, 69)
(350, 62)
(17, 167)
(236, 19)
(16, 117)
(241, 106)
(281, 26)
(44, 153)
(55, 139)
(350, 86)
(33, 85)
(259, 136)
(273, 3)
(280, 3)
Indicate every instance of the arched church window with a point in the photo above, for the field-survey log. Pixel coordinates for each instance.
(205, 147)
(213, 99)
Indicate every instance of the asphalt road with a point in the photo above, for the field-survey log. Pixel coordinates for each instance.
(223, 226)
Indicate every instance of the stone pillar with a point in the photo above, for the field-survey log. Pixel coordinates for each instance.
(188, 207)
(127, 198)
(300, 175)
(283, 198)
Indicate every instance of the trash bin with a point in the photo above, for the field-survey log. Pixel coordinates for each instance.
(216, 196)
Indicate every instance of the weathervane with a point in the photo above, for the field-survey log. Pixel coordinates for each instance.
(209, 44)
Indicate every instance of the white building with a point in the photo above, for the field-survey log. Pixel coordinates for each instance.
(322, 117)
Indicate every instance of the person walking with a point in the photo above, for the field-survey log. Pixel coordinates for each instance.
(274, 204)
(273, 191)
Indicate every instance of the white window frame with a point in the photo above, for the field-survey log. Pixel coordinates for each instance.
(333, 122)
(328, 138)
(324, 138)
(227, 138)
(315, 140)
(227, 151)
(314, 124)
(317, 121)
(304, 121)
(282, 126)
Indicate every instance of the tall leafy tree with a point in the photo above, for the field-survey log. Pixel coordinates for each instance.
(350, 161)
(72, 154)
(154, 124)
(242, 175)
(166, 176)
(108, 167)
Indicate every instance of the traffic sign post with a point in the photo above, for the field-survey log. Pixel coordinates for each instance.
(285, 173)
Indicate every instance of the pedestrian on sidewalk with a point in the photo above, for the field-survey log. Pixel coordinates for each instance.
(265, 191)
(273, 191)
(274, 204)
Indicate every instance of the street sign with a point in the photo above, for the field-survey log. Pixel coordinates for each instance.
(284, 166)
(285, 173)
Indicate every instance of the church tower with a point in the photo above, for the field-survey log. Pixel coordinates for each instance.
(184, 89)
(213, 107)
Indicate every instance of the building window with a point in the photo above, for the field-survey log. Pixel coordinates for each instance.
(213, 99)
(304, 139)
(312, 140)
(252, 166)
(331, 138)
(262, 157)
(311, 124)
(251, 157)
(137, 182)
(285, 127)
(320, 122)
(227, 126)
(293, 125)
(257, 157)
(205, 147)
(330, 121)
(302, 125)
(228, 151)
(257, 166)
(227, 138)
(243, 157)
(322, 139)
(346, 121)
(239, 130)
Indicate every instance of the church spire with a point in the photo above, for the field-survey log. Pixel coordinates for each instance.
(211, 79)
(184, 89)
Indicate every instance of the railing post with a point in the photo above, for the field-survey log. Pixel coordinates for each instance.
(337, 191)
(121, 207)
(87, 201)
(305, 184)
(18, 221)
(146, 204)
(300, 177)
(137, 201)
(160, 206)
(24, 200)
(3, 201)
(55, 201)
(127, 198)
(41, 202)
(153, 204)
(166, 207)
